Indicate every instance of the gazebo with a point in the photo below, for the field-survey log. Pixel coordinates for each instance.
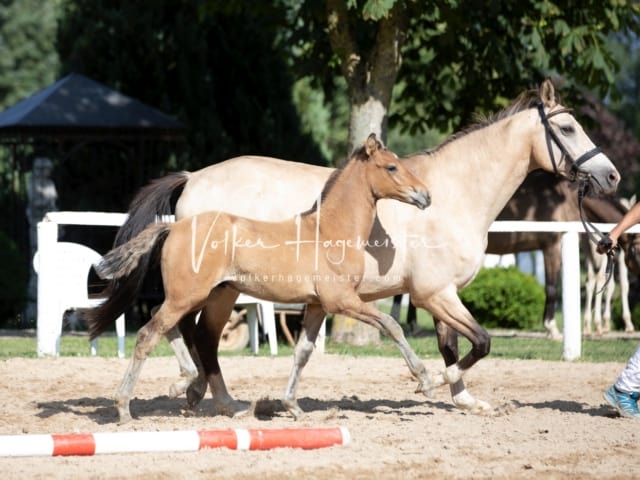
(78, 119)
(79, 132)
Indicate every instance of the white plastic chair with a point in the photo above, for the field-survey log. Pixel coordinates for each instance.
(73, 263)
(260, 310)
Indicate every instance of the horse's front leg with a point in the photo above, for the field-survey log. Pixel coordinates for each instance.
(352, 306)
(313, 318)
(451, 314)
(448, 347)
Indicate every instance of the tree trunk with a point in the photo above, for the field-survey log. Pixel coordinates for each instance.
(370, 72)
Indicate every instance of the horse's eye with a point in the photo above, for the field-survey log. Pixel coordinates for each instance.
(567, 130)
(392, 168)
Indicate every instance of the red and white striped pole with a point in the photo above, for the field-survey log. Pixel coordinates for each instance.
(170, 441)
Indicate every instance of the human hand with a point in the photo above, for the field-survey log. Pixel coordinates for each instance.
(605, 244)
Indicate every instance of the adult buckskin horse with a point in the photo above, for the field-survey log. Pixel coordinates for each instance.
(547, 197)
(543, 197)
(429, 254)
(316, 257)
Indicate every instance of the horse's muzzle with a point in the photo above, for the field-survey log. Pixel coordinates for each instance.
(420, 198)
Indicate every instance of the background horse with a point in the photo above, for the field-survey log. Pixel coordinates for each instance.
(608, 210)
(546, 197)
(315, 258)
(428, 254)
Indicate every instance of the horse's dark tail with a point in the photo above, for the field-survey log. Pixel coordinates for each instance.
(150, 202)
(125, 267)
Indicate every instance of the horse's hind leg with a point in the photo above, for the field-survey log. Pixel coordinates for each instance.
(606, 311)
(313, 318)
(188, 369)
(205, 342)
(623, 275)
(597, 307)
(589, 288)
(147, 338)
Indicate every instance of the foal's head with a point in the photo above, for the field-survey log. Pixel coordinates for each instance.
(388, 177)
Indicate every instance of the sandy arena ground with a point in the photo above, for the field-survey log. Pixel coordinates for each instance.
(553, 422)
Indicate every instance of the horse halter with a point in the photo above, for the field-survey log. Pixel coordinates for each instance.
(575, 171)
(593, 233)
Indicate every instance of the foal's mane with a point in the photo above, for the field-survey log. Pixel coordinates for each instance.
(359, 154)
(527, 99)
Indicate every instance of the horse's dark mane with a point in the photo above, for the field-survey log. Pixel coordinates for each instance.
(527, 99)
(358, 154)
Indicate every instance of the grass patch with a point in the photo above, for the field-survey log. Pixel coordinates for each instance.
(601, 350)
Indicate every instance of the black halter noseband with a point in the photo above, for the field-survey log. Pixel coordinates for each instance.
(552, 135)
(583, 177)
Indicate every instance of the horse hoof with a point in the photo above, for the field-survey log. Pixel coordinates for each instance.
(124, 418)
(195, 394)
(552, 330)
(466, 402)
(188, 412)
(178, 389)
(481, 408)
(554, 336)
(425, 389)
(233, 409)
(293, 408)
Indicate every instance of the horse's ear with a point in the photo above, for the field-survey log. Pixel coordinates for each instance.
(372, 145)
(548, 93)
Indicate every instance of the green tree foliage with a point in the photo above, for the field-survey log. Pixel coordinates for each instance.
(219, 73)
(465, 57)
(626, 50)
(459, 57)
(29, 60)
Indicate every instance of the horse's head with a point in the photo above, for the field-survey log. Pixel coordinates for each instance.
(563, 146)
(388, 177)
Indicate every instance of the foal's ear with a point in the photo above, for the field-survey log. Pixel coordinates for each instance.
(372, 144)
(548, 93)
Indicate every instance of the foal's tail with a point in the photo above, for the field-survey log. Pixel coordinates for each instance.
(125, 267)
(150, 202)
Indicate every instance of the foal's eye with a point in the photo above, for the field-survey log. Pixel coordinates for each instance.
(392, 168)
(567, 130)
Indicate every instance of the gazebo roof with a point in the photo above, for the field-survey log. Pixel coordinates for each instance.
(79, 107)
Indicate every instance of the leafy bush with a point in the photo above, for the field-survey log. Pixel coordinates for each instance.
(14, 276)
(505, 298)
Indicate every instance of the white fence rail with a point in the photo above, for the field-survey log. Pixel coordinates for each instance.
(48, 331)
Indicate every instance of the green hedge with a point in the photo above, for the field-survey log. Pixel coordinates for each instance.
(14, 277)
(505, 298)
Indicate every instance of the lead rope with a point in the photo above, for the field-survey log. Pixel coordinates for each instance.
(596, 235)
